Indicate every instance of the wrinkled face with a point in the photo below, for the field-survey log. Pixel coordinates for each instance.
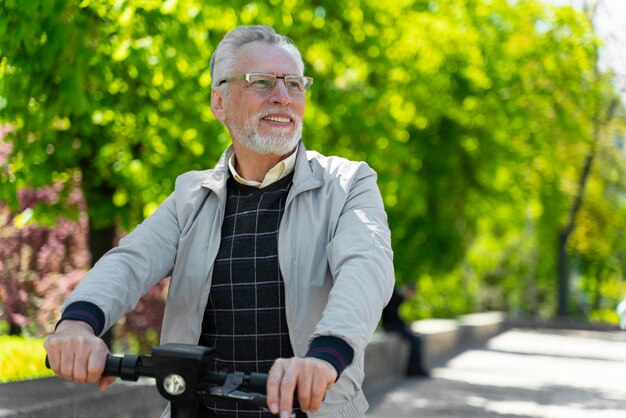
(268, 122)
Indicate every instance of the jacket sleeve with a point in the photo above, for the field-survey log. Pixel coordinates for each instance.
(125, 273)
(361, 263)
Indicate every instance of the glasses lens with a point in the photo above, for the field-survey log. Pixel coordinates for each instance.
(295, 84)
(261, 82)
(266, 82)
(305, 83)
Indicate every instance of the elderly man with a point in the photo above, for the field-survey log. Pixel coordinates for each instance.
(279, 257)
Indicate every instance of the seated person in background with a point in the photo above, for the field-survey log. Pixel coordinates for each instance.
(392, 322)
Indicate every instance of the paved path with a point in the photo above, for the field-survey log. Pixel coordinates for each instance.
(520, 373)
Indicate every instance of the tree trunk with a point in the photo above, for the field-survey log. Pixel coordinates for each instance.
(565, 233)
(14, 329)
(101, 241)
(597, 295)
(562, 274)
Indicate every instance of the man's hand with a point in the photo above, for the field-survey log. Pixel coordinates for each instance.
(76, 354)
(310, 375)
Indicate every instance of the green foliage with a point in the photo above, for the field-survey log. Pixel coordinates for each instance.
(116, 92)
(604, 316)
(22, 358)
(478, 116)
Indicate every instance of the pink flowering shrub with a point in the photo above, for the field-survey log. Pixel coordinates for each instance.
(40, 265)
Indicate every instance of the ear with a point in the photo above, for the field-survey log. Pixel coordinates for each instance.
(217, 105)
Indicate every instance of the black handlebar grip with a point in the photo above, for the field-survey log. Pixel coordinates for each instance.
(112, 366)
(257, 382)
(127, 367)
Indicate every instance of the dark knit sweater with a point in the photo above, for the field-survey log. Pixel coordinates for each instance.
(245, 315)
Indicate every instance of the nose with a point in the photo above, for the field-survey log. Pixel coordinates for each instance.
(280, 95)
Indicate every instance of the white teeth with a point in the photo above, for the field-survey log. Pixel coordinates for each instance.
(277, 119)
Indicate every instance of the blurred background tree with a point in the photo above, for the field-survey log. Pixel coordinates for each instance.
(498, 142)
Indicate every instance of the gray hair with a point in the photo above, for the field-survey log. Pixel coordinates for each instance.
(222, 60)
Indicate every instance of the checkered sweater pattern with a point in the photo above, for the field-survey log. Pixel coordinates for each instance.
(245, 314)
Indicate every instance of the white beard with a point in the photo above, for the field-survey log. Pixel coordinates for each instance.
(276, 142)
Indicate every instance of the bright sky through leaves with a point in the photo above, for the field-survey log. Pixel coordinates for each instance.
(610, 24)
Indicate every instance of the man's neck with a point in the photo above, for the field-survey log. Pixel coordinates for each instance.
(253, 166)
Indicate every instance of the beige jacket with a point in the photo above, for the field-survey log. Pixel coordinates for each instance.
(334, 250)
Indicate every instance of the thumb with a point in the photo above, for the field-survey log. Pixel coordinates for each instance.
(105, 382)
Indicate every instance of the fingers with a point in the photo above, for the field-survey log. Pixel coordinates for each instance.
(318, 389)
(77, 355)
(288, 386)
(79, 365)
(273, 384)
(310, 376)
(281, 384)
(305, 384)
(78, 359)
(96, 361)
(319, 377)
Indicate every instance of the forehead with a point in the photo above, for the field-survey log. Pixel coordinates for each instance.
(265, 58)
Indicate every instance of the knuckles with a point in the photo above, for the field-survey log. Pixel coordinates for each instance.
(287, 383)
(310, 373)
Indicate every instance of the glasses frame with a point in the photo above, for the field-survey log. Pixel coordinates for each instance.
(308, 81)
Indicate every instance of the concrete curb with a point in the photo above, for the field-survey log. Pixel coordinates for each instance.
(387, 354)
(446, 337)
(57, 398)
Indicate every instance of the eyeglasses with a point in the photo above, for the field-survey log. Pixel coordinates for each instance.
(263, 82)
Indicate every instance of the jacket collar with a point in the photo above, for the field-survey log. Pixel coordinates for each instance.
(216, 178)
(304, 178)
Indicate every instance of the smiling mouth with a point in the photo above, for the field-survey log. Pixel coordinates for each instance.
(277, 119)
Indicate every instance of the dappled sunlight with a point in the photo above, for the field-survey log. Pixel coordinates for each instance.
(538, 360)
(535, 409)
(521, 373)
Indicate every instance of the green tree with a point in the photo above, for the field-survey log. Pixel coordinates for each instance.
(476, 114)
(114, 93)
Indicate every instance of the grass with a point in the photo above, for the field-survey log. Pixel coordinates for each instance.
(22, 358)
